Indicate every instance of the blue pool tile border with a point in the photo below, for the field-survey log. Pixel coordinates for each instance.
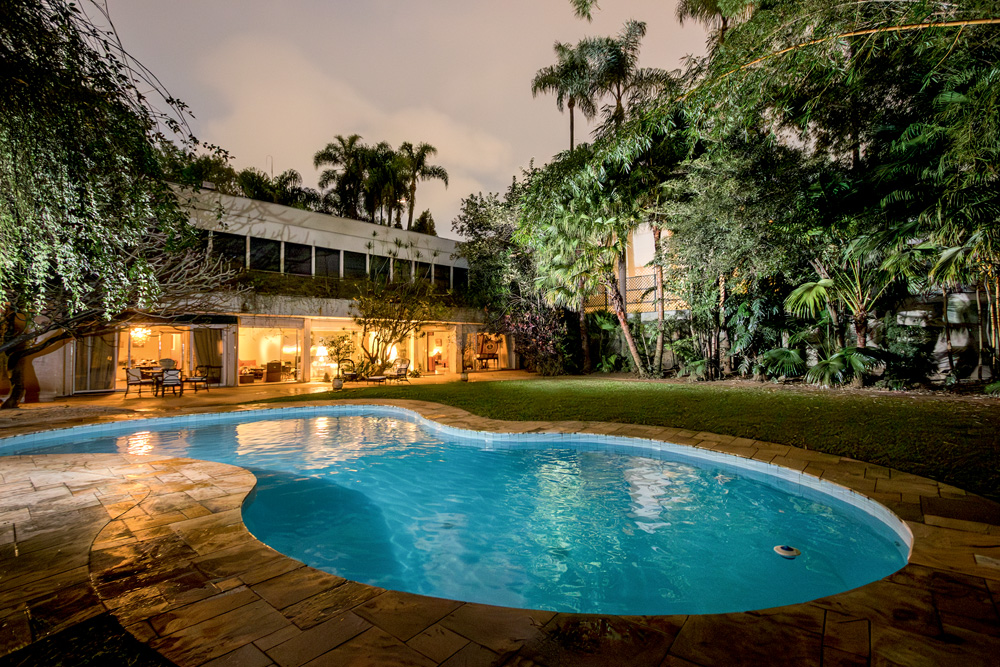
(786, 479)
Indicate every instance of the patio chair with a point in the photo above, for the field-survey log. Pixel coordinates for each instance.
(399, 371)
(134, 378)
(199, 379)
(171, 378)
(347, 370)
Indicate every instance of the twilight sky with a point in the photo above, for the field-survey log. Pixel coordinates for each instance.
(273, 82)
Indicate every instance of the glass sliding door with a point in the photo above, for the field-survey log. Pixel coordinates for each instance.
(94, 368)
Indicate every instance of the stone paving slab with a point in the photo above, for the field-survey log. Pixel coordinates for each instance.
(160, 543)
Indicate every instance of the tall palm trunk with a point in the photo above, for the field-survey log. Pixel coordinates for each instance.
(992, 331)
(722, 341)
(980, 331)
(571, 104)
(588, 362)
(947, 331)
(412, 202)
(660, 297)
(618, 305)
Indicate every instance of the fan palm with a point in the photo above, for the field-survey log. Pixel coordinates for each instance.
(415, 167)
(571, 79)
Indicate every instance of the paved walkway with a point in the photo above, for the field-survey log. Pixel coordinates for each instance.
(160, 543)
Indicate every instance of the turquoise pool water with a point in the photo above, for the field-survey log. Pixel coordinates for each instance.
(567, 524)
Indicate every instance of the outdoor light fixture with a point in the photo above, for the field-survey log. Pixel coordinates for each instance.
(140, 335)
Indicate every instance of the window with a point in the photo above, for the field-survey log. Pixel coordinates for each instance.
(298, 259)
(379, 267)
(265, 255)
(442, 276)
(401, 270)
(327, 262)
(461, 277)
(423, 271)
(354, 264)
(230, 246)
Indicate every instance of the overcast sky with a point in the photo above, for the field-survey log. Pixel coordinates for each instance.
(273, 82)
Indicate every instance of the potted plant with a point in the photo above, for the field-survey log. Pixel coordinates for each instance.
(337, 348)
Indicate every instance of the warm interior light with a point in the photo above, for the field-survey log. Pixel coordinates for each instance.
(289, 349)
(140, 335)
(321, 351)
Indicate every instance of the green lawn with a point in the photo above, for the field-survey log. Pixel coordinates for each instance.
(956, 442)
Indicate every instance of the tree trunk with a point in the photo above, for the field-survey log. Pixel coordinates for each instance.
(15, 374)
(722, 343)
(588, 363)
(571, 104)
(412, 203)
(660, 297)
(993, 334)
(861, 329)
(831, 307)
(947, 331)
(618, 304)
(981, 331)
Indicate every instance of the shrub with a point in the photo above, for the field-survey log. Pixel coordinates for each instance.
(908, 353)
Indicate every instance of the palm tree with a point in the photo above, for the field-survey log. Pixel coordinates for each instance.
(616, 71)
(709, 13)
(415, 167)
(384, 184)
(346, 173)
(571, 79)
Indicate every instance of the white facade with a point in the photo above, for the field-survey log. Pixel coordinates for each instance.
(262, 332)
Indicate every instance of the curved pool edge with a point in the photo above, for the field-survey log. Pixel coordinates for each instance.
(202, 587)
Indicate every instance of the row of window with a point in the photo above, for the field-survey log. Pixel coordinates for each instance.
(300, 259)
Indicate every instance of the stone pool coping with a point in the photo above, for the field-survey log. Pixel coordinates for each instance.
(160, 543)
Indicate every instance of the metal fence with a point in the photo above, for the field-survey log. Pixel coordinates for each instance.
(640, 297)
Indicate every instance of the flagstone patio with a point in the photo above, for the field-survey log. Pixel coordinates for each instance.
(159, 542)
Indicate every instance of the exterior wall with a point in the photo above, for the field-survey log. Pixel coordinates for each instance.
(282, 223)
(52, 375)
(640, 253)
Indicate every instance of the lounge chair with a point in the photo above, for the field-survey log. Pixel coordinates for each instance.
(347, 370)
(399, 371)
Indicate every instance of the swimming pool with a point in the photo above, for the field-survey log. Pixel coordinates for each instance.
(560, 522)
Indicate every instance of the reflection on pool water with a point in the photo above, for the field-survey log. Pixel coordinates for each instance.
(576, 524)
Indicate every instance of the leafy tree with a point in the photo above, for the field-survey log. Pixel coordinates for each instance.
(415, 167)
(572, 81)
(425, 224)
(90, 232)
(388, 313)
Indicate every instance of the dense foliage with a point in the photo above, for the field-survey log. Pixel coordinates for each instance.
(824, 167)
(90, 232)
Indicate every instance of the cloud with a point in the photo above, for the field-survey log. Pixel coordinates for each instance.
(286, 107)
